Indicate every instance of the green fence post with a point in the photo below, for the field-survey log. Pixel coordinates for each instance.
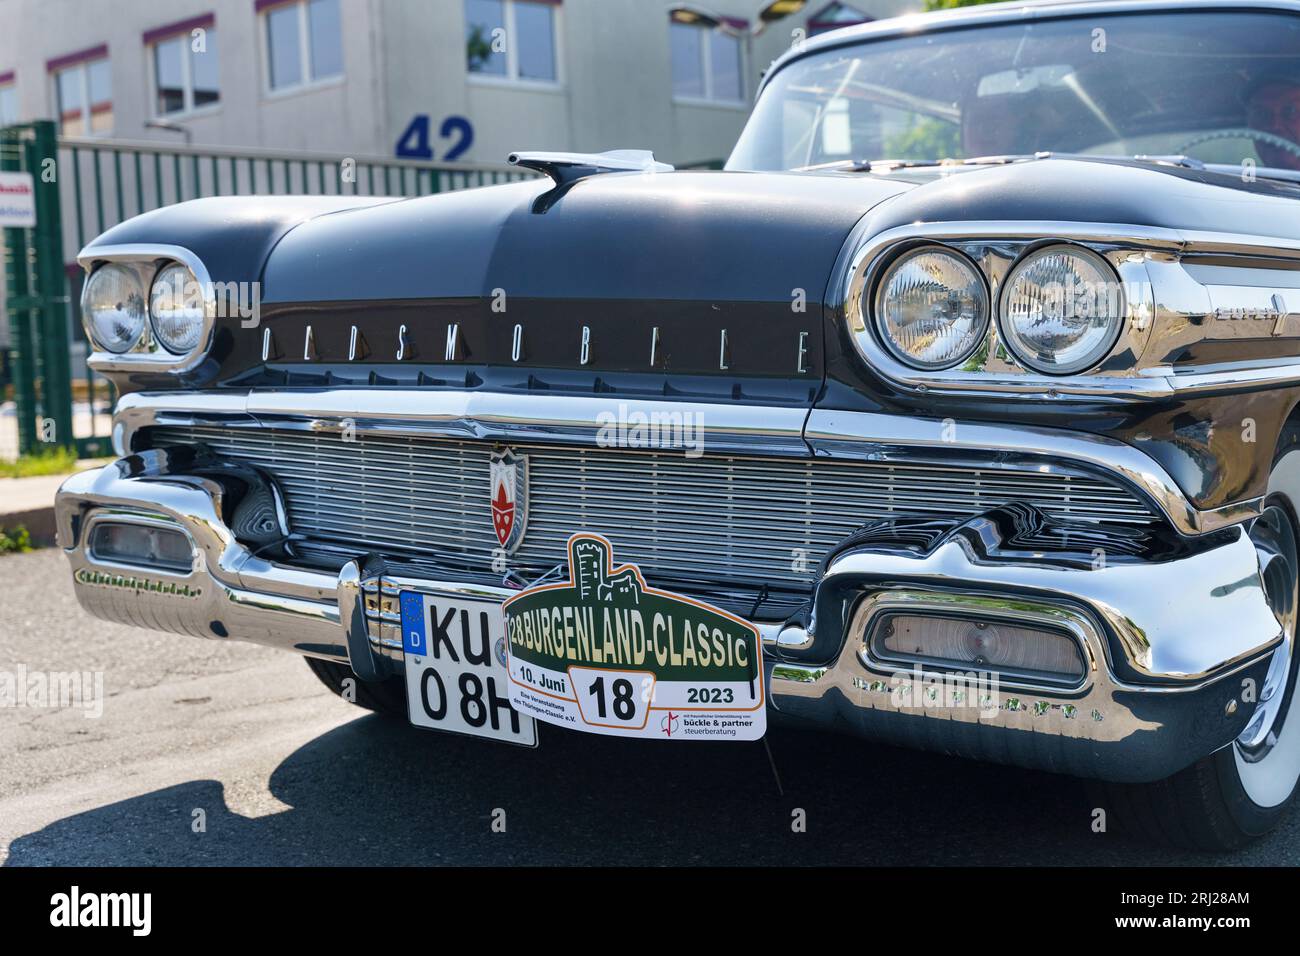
(51, 282)
(17, 262)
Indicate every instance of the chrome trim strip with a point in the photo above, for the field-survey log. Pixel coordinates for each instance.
(484, 416)
(137, 410)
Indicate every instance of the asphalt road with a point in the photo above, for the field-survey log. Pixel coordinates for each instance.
(285, 773)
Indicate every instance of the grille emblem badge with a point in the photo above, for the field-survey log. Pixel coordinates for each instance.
(509, 489)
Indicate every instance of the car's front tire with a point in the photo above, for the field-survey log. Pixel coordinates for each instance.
(384, 697)
(1243, 791)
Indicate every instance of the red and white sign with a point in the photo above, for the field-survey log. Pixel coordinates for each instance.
(17, 200)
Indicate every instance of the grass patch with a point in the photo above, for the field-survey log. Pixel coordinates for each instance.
(52, 461)
(16, 541)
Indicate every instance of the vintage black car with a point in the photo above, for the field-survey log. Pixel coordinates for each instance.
(968, 388)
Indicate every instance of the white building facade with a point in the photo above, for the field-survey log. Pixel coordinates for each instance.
(428, 79)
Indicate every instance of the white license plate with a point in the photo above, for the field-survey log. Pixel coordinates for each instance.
(456, 676)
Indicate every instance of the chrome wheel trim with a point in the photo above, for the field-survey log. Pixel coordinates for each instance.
(1267, 753)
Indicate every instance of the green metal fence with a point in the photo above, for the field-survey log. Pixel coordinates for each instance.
(36, 296)
(94, 184)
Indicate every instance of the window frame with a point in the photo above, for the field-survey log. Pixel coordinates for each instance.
(309, 82)
(187, 76)
(9, 84)
(511, 77)
(706, 65)
(82, 66)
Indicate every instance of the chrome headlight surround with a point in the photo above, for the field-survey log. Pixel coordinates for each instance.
(148, 261)
(992, 369)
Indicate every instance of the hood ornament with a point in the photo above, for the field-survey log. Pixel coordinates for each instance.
(566, 168)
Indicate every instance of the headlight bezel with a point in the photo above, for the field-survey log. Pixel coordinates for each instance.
(148, 353)
(878, 290)
(992, 371)
(1013, 342)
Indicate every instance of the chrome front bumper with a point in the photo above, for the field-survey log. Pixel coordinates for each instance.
(1171, 645)
(1174, 652)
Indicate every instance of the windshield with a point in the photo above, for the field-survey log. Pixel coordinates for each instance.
(1218, 87)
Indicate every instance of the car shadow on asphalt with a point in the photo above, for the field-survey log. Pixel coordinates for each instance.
(376, 791)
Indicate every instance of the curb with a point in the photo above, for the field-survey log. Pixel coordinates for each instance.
(29, 501)
(39, 523)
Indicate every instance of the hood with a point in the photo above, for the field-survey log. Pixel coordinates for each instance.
(707, 283)
(1096, 190)
(681, 235)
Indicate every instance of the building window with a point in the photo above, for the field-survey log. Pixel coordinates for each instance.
(184, 57)
(8, 100)
(833, 16)
(706, 59)
(83, 91)
(304, 42)
(512, 39)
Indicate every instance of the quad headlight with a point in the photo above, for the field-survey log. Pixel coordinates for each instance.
(176, 309)
(147, 307)
(113, 307)
(932, 308)
(1062, 309)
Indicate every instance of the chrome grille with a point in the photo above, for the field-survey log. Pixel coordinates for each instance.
(714, 518)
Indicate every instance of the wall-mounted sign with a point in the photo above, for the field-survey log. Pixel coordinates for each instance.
(414, 141)
(17, 200)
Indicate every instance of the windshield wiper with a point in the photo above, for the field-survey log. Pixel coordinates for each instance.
(1184, 162)
(889, 165)
(1228, 169)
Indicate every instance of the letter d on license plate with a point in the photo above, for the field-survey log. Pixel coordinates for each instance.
(455, 669)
